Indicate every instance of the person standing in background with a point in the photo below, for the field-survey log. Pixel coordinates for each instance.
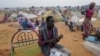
(5, 19)
(87, 26)
(43, 23)
(37, 22)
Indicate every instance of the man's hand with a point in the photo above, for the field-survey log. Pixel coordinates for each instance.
(55, 40)
(49, 41)
(61, 36)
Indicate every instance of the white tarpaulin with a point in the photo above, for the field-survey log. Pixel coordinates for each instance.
(75, 19)
(41, 12)
(29, 16)
(82, 19)
(93, 47)
(55, 52)
(13, 16)
(99, 13)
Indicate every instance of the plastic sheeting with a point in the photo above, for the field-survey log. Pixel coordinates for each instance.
(92, 39)
(41, 12)
(13, 16)
(29, 16)
(75, 19)
(57, 16)
(56, 52)
(82, 19)
(93, 47)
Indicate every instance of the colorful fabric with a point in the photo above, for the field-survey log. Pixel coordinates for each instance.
(87, 27)
(87, 22)
(89, 13)
(92, 39)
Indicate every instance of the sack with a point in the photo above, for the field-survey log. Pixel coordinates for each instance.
(25, 24)
(56, 52)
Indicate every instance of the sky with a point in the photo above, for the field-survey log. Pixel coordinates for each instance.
(38, 3)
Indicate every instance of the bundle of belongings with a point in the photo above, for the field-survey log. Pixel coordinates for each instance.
(72, 23)
(98, 34)
(92, 43)
(56, 52)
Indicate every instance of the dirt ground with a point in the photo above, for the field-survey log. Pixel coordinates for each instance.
(76, 48)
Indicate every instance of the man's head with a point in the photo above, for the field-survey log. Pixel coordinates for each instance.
(50, 22)
(92, 5)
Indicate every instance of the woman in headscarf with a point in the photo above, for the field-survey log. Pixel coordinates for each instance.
(87, 26)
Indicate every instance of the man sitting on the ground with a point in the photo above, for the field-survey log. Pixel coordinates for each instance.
(48, 37)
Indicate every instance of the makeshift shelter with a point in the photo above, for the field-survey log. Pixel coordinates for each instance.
(29, 16)
(75, 19)
(41, 12)
(12, 17)
(57, 16)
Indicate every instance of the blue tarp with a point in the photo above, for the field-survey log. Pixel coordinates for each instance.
(92, 39)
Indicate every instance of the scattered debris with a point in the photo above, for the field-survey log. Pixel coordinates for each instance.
(75, 38)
